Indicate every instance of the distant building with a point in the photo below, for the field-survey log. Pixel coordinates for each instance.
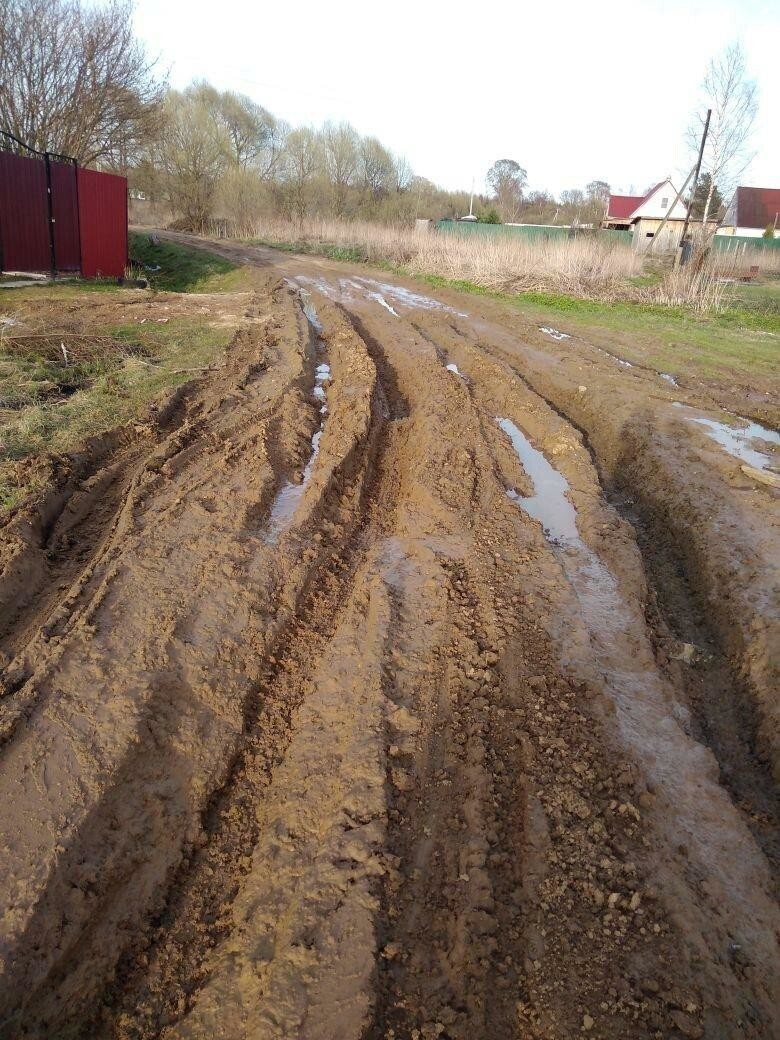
(751, 211)
(643, 216)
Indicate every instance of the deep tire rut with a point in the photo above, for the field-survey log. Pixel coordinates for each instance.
(326, 735)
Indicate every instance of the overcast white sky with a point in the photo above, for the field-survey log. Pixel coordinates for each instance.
(571, 90)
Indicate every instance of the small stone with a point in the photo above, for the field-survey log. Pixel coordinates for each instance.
(688, 1026)
(582, 389)
(587, 1022)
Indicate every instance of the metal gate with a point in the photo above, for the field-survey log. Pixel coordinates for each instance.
(58, 216)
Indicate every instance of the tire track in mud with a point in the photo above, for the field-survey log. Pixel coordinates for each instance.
(760, 934)
(713, 687)
(463, 930)
(53, 544)
(423, 778)
(110, 864)
(160, 982)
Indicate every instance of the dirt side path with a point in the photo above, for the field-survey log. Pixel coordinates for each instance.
(329, 732)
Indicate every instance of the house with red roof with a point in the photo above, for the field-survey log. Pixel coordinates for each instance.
(751, 211)
(657, 211)
(655, 204)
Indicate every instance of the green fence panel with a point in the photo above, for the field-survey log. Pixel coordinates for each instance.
(739, 243)
(529, 232)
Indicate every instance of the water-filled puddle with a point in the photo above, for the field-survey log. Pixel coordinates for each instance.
(549, 504)
(286, 501)
(614, 357)
(383, 303)
(350, 289)
(405, 297)
(737, 440)
(548, 330)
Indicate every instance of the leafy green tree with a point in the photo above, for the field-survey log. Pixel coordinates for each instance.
(490, 216)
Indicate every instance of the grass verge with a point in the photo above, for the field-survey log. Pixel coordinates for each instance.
(177, 268)
(738, 343)
(72, 366)
(735, 343)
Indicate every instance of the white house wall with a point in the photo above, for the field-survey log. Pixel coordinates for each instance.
(652, 208)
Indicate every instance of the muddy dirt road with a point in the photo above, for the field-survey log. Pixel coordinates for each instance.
(414, 674)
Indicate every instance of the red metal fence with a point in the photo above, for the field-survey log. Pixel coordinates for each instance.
(24, 225)
(103, 222)
(58, 216)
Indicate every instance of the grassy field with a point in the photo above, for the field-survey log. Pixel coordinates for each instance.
(72, 366)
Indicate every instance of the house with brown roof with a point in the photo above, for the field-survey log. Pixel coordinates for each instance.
(751, 211)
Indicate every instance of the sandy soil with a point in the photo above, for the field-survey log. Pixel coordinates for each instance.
(311, 728)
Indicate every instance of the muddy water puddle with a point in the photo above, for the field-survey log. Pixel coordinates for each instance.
(738, 441)
(286, 502)
(549, 503)
(379, 298)
(387, 295)
(650, 722)
(548, 330)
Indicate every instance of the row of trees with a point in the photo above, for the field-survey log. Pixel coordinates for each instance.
(73, 79)
(220, 153)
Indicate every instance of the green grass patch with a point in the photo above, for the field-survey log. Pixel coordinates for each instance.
(184, 268)
(350, 254)
(52, 407)
(736, 343)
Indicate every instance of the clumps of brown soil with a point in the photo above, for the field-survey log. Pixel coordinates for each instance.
(368, 779)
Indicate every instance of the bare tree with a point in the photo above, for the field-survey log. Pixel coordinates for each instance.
(249, 127)
(377, 167)
(599, 191)
(733, 98)
(507, 180)
(341, 149)
(193, 150)
(302, 160)
(404, 174)
(268, 160)
(573, 197)
(74, 79)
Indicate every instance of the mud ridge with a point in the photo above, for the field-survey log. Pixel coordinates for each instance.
(672, 555)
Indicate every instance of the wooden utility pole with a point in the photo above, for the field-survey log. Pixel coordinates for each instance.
(696, 176)
(662, 225)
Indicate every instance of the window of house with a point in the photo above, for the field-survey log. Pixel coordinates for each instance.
(664, 203)
(649, 234)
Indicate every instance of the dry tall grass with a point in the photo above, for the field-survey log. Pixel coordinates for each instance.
(584, 266)
(587, 266)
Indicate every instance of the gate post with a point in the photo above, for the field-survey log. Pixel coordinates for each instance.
(50, 221)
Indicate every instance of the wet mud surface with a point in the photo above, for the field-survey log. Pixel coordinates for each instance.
(414, 675)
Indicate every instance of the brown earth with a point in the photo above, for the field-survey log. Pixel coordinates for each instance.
(345, 745)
